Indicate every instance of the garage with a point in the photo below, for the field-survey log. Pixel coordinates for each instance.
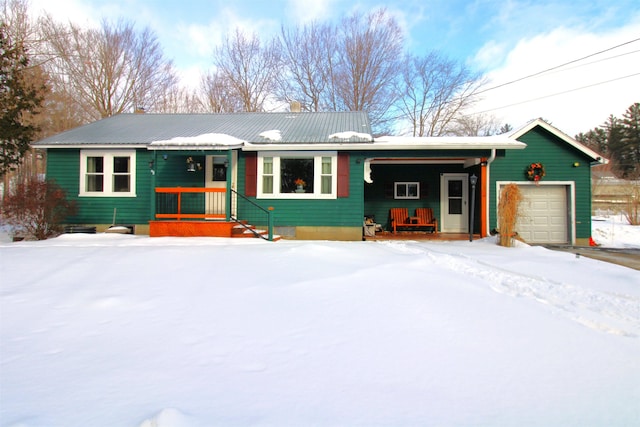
(544, 214)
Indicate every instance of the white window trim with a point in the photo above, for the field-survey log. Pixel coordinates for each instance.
(317, 174)
(406, 183)
(108, 172)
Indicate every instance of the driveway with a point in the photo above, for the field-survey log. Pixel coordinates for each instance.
(625, 257)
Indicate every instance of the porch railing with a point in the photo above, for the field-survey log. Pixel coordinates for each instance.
(179, 203)
(190, 203)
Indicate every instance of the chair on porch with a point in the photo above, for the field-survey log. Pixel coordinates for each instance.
(400, 218)
(426, 218)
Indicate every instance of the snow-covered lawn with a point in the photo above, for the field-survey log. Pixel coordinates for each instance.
(118, 330)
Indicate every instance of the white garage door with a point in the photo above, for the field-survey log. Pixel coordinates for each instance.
(544, 214)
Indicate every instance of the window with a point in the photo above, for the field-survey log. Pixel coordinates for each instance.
(406, 190)
(297, 175)
(107, 173)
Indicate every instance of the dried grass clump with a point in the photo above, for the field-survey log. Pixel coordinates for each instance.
(632, 213)
(510, 198)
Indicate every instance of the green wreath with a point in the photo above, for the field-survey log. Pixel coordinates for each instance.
(535, 172)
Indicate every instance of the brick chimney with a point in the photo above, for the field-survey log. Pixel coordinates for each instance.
(295, 107)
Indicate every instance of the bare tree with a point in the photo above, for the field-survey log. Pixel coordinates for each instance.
(370, 48)
(217, 94)
(249, 67)
(18, 26)
(308, 54)
(476, 125)
(435, 91)
(109, 70)
(177, 100)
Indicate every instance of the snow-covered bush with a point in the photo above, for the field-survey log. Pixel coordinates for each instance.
(36, 208)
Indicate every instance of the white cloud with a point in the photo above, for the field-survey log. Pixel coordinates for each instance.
(76, 11)
(307, 11)
(582, 99)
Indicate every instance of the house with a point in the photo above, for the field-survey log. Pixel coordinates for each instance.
(311, 176)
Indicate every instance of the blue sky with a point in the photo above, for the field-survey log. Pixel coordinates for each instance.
(506, 40)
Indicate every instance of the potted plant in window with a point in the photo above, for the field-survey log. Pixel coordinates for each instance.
(300, 185)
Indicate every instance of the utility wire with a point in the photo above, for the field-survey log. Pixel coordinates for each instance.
(597, 61)
(556, 67)
(556, 94)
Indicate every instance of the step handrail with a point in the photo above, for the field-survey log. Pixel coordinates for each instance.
(257, 210)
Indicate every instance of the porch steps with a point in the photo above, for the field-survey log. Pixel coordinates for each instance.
(186, 228)
(248, 230)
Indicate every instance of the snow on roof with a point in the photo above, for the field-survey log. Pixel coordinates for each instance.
(199, 141)
(436, 142)
(349, 135)
(272, 135)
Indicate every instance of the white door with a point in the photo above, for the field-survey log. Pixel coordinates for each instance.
(543, 214)
(216, 177)
(454, 205)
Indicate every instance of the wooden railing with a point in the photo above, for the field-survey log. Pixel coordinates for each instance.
(191, 203)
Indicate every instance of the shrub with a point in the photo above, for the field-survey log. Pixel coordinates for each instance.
(37, 208)
(632, 213)
(508, 205)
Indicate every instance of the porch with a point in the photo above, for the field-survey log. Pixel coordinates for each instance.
(455, 190)
(208, 212)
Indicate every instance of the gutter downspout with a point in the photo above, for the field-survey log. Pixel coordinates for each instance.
(490, 160)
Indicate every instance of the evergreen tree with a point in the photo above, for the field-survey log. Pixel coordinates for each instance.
(596, 139)
(505, 128)
(619, 141)
(19, 98)
(613, 130)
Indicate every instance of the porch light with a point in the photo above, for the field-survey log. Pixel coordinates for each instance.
(473, 179)
(191, 165)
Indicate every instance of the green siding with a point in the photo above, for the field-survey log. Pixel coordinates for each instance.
(558, 158)
(367, 199)
(172, 172)
(63, 166)
(340, 212)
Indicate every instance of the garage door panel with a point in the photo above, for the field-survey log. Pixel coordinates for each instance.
(544, 214)
(540, 220)
(541, 235)
(560, 221)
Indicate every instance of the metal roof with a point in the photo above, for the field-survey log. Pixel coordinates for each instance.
(143, 129)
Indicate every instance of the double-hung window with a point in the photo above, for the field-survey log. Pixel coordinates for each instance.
(107, 173)
(284, 175)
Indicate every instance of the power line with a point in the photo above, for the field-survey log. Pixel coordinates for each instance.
(599, 60)
(556, 94)
(556, 67)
